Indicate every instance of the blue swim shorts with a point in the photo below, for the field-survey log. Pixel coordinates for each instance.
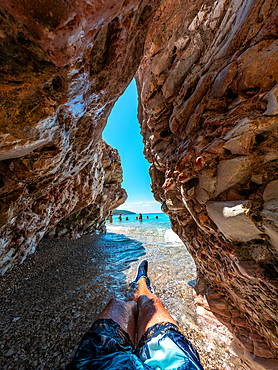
(106, 346)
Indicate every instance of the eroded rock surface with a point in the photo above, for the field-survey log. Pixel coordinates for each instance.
(208, 91)
(208, 106)
(63, 65)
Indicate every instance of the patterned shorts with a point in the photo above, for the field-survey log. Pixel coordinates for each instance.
(107, 346)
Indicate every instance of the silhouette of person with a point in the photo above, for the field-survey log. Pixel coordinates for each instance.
(147, 217)
(126, 219)
(110, 217)
(120, 217)
(156, 217)
(140, 217)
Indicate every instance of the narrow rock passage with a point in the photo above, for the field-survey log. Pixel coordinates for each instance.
(49, 302)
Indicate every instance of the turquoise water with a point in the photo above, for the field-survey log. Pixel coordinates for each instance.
(171, 268)
(162, 220)
(150, 230)
(170, 265)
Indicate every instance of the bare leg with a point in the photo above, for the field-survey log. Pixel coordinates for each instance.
(150, 309)
(123, 313)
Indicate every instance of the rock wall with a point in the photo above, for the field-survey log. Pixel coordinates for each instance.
(208, 111)
(63, 65)
(208, 105)
(97, 194)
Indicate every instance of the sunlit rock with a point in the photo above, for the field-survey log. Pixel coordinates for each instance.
(219, 104)
(232, 220)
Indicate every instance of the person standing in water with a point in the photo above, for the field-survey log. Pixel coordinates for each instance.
(110, 217)
(120, 217)
(110, 342)
(140, 217)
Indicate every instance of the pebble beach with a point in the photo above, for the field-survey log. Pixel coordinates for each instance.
(50, 301)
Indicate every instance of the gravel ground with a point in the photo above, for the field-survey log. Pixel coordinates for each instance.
(50, 301)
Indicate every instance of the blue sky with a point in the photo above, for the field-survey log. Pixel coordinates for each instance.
(123, 132)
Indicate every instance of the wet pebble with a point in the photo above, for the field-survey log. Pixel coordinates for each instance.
(9, 353)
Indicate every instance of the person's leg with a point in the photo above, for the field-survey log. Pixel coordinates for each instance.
(105, 345)
(161, 344)
(123, 313)
(150, 309)
(158, 333)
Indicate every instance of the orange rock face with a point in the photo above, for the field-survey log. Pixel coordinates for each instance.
(208, 111)
(63, 66)
(208, 106)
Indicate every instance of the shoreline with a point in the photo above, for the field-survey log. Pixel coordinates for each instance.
(51, 300)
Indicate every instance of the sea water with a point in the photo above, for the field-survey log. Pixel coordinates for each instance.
(150, 228)
(171, 268)
(170, 265)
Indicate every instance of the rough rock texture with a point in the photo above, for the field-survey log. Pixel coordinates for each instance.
(97, 195)
(208, 106)
(63, 65)
(68, 209)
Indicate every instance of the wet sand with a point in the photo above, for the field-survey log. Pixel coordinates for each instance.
(50, 301)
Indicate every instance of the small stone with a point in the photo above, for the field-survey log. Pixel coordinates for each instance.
(243, 126)
(216, 147)
(271, 155)
(272, 106)
(239, 144)
(262, 350)
(260, 253)
(238, 321)
(271, 191)
(9, 353)
(257, 179)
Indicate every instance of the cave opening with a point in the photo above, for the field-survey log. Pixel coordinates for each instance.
(123, 133)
